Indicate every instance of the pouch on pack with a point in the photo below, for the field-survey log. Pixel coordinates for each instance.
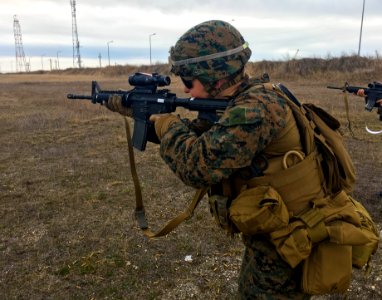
(328, 269)
(259, 210)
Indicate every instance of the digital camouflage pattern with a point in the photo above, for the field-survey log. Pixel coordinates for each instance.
(209, 38)
(243, 131)
(254, 119)
(264, 275)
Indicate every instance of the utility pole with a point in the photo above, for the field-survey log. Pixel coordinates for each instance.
(150, 44)
(58, 61)
(76, 42)
(360, 32)
(42, 61)
(108, 51)
(21, 63)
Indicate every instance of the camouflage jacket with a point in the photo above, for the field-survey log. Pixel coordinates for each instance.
(246, 127)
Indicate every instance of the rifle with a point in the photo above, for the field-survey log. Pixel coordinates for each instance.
(145, 100)
(373, 93)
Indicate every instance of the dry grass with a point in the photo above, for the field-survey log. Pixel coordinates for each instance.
(66, 195)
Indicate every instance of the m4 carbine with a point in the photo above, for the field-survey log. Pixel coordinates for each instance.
(373, 93)
(145, 99)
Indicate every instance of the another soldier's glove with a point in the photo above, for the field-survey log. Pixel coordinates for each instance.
(114, 103)
(163, 122)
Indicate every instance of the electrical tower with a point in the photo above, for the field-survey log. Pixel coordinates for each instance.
(76, 43)
(21, 64)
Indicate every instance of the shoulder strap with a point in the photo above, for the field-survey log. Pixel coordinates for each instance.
(305, 126)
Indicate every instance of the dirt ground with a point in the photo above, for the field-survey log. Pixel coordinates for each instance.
(67, 198)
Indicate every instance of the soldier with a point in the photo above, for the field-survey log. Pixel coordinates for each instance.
(231, 144)
(248, 141)
(210, 59)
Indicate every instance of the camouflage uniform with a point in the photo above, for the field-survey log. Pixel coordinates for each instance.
(252, 121)
(242, 132)
(264, 275)
(215, 53)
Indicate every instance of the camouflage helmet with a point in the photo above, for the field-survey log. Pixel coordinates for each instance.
(210, 51)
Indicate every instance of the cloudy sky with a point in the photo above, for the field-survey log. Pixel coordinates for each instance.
(275, 29)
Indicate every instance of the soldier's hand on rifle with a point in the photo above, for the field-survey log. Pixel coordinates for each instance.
(361, 93)
(163, 122)
(114, 103)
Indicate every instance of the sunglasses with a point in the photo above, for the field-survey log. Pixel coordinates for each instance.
(187, 82)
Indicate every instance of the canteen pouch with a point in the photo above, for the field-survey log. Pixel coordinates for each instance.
(259, 210)
(328, 269)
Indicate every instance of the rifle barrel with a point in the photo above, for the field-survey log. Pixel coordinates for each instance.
(335, 87)
(74, 96)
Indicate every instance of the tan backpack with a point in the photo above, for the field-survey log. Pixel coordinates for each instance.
(338, 232)
(328, 232)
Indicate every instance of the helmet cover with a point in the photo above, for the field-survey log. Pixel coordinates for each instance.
(209, 51)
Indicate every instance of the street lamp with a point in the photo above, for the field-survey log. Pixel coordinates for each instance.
(150, 44)
(108, 50)
(58, 62)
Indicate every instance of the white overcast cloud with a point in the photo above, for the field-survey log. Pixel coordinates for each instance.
(274, 29)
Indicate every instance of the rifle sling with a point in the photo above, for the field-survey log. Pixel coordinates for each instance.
(140, 210)
(347, 114)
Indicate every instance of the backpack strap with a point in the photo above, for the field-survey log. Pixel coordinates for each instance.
(305, 126)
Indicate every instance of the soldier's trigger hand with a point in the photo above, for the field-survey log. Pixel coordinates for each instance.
(163, 123)
(114, 103)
